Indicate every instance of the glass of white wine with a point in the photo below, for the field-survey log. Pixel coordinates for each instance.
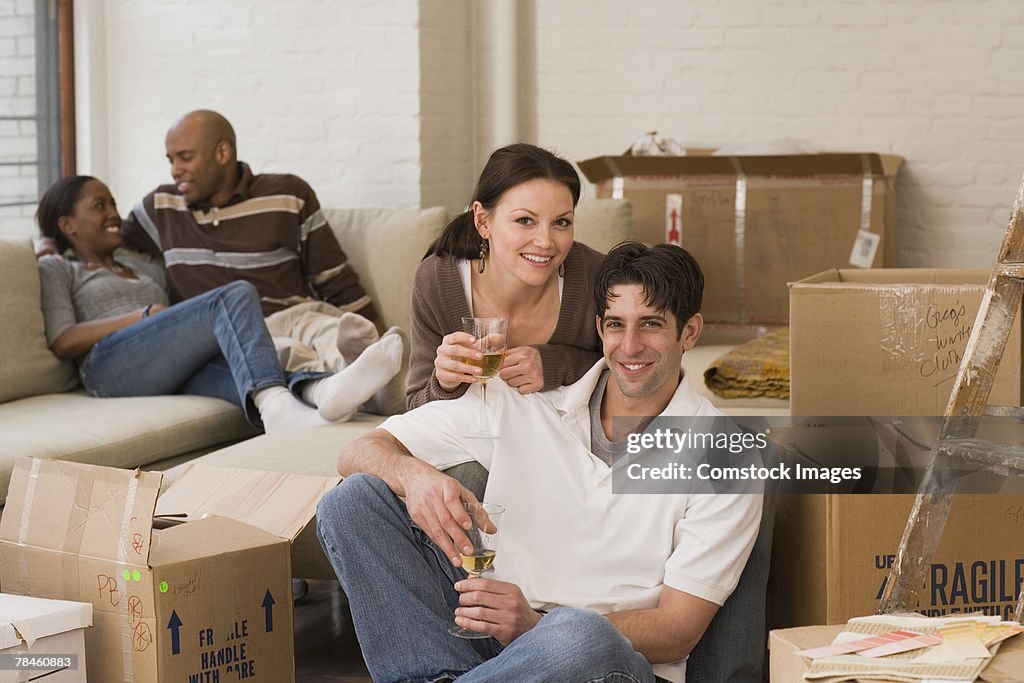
(486, 518)
(491, 339)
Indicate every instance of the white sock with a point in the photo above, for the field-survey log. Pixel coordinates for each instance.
(390, 399)
(355, 334)
(339, 396)
(281, 411)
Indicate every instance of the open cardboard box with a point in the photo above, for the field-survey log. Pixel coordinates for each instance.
(755, 223)
(889, 341)
(206, 600)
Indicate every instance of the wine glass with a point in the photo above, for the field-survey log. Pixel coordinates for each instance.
(491, 338)
(484, 536)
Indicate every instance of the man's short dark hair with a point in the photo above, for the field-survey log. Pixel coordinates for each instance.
(671, 278)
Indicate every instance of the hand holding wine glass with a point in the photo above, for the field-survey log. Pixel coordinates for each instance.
(483, 534)
(491, 336)
(453, 362)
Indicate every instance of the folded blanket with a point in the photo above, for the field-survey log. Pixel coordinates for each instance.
(758, 368)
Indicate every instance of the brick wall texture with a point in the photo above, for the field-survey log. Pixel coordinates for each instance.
(327, 90)
(371, 100)
(17, 99)
(936, 81)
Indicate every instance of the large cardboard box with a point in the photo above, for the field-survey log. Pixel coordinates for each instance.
(205, 600)
(756, 223)
(888, 341)
(787, 667)
(50, 633)
(831, 556)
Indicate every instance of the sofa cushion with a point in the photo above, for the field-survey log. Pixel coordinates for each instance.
(117, 432)
(602, 223)
(27, 367)
(385, 246)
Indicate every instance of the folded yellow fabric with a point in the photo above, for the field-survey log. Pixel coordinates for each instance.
(758, 368)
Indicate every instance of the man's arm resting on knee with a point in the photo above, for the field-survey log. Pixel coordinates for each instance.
(435, 500)
(668, 632)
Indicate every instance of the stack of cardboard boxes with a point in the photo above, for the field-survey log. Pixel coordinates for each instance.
(889, 343)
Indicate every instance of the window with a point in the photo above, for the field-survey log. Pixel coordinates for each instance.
(36, 113)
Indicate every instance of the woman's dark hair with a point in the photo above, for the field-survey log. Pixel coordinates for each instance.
(59, 200)
(671, 278)
(508, 166)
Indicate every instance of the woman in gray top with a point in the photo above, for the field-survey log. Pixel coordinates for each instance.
(108, 309)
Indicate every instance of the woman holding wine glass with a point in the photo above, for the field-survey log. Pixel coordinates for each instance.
(511, 255)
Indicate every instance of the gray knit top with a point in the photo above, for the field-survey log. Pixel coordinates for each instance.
(72, 293)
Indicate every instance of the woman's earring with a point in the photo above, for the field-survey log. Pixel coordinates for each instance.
(561, 269)
(485, 248)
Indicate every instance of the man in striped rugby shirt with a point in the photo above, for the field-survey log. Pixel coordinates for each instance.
(219, 222)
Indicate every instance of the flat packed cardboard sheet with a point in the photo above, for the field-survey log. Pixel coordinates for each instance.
(755, 223)
(265, 500)
(888, 341)
(786, 667)
(206, 600)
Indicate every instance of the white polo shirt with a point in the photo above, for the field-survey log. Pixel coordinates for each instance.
(565, 539)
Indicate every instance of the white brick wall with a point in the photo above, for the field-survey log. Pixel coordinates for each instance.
(325, 89)
(372, 101)
(17, 98)
(936, 81)
(447, 46)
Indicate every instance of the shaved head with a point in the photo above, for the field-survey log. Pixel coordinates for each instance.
(209, 126)
(204, 163)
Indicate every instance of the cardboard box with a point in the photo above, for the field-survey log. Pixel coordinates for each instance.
(786, 667)
(51, 632)
(757, 222)
(205, 600)
(831, 556)
(888, 341)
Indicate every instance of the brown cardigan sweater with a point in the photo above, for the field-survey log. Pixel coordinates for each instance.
(439, 304)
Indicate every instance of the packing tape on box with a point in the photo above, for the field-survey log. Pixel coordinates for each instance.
(127, 632)
(865, 244)
(902, 328)
(26, 513)
(126, 518)
(127, 671)
(741, 237)
(618, 182)
(867, 190)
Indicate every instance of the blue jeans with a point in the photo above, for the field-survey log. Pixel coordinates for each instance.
(732, 649)
(215, 344)
(400, 589)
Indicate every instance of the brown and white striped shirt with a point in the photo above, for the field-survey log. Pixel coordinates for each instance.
(271, 233)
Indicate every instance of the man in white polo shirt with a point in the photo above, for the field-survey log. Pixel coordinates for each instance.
(588, 585)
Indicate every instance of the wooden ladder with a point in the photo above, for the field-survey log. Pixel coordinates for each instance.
(956, 442)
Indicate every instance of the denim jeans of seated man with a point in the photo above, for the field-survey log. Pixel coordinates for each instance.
(215, 344)
(400, 590)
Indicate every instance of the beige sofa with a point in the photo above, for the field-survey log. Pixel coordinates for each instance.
(44, 413)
